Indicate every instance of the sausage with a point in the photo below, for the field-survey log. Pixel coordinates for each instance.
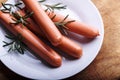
(77, 26)
(70, 47)
(32, 41)
(66, 45)
(44, 22)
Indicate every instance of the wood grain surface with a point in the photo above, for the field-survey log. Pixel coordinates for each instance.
(106, 66)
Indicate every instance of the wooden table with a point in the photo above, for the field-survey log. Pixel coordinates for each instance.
(106, 66)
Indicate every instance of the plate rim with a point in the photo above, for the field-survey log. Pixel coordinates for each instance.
(98, 13)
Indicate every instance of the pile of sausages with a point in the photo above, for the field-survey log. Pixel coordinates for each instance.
(42, 25)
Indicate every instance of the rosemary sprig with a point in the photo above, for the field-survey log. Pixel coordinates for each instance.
(8, 8)
(18, 18)
(57, 6)
(16, 44)
(61, 25)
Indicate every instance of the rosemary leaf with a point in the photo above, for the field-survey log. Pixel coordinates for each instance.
(9, 49)
(17, 4)
(5, 11)
(53, 17)
(6, 44)
(9, 37)
(28, 15)
(7, 4)
(42, 1)
(65, 18)
(70, 21)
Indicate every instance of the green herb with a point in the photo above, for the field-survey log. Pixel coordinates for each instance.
(7, 8)
(42, 1)
(52, 7)
(18, 5)
(18, 18)
(53, 16)
(16, 44)
(62, 25)
(57, 6)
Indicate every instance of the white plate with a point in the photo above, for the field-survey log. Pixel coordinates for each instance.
(28, 66)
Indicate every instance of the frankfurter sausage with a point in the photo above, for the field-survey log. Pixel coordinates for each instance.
(32, 41)
(77, 26)
(70, 47)
(66, 45)
(44, 22)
